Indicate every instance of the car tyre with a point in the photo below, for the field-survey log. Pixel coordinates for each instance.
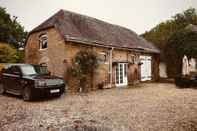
(27, 94)
(2, 89)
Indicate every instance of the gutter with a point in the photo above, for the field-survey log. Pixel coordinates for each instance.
(110, 66)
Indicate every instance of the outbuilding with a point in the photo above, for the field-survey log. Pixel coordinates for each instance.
(126, 57)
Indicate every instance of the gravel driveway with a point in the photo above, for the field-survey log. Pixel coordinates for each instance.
(147, 107)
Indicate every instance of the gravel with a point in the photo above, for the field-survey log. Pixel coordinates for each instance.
(146, 107)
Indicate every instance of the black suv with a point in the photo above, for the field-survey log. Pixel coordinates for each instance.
(30, 81)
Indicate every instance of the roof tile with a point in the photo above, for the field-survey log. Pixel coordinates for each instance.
(88, 28)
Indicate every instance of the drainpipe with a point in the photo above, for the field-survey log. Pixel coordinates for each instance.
(110, 65)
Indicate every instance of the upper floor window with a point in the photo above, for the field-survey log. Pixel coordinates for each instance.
(43, 41)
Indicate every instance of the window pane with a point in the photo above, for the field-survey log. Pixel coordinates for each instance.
(44, 44)
(43, 41)
(15, 70)
(28, 70)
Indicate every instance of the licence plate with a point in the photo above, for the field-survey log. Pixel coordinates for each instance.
(55, 91)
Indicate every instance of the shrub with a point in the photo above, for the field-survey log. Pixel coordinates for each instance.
(7, 54)
(1, 67)
(83, 68)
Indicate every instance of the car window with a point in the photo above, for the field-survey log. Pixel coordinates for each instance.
(7, 70)
(28, 70)
(41, 69)
(15, 70)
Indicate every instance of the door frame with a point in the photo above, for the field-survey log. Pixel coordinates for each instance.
(124, 74)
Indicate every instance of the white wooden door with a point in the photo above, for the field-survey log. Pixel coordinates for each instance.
(121, 74)
(146, 68)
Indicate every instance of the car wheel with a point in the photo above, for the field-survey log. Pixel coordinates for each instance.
(27, 94)
(2, 89)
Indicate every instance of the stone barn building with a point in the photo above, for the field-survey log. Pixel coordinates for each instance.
(125, 57)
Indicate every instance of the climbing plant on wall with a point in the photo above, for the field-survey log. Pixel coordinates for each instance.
(83, 68)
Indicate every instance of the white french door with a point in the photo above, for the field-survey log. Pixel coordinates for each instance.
(121, 74)
(146, 68)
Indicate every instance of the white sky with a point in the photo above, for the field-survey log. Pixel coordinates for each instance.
(137, 15)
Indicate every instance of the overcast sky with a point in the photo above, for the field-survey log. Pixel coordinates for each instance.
(137, 15)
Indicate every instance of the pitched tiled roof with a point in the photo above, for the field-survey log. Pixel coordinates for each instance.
(82, 28)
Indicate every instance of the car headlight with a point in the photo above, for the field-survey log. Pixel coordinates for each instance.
(40, 83)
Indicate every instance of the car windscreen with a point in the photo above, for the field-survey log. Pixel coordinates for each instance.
(28, 70)
(41, 70)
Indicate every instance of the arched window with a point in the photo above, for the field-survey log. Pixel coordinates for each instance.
(103, 57)
(43, 41)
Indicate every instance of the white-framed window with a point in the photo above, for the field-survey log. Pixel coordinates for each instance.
(43, 42)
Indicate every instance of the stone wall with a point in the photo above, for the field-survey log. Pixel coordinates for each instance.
(59, 54)
(53, 56)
